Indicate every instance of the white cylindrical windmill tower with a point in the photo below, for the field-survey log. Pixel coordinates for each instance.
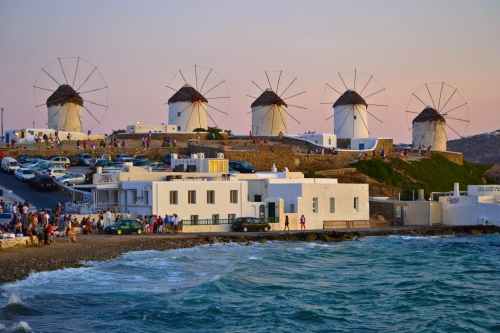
(429, 130)
(350, 117)
(64, 108)
(187, 109)
(269, 114)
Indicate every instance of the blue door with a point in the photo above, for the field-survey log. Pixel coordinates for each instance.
(361, 146)
(7, 137)
(329, 141)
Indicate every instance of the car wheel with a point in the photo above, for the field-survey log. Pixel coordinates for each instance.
(139, 231)
(119, 231)
(245, 229)
(266, 228)
(66, 183)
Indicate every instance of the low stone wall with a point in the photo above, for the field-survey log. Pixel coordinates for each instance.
(346, 224)
(151, 152)
(177, 136)
(454, 157)
(336, 172)
(12, 242)
(207, 228)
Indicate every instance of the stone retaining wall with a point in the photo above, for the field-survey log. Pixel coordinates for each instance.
(11, 242)
(336, 172)
(388, 211)
(454, 157)
(178, 136)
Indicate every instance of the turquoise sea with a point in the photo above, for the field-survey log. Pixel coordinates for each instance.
(376, 284)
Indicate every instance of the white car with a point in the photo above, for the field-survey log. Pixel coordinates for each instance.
(113, 167)
(72, 179)
(24, 174)
(54, 172)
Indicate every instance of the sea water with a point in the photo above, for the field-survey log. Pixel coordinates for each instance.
(377, 284)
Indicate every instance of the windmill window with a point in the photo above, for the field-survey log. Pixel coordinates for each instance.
(178, 114)
(178, 128)
(354, 117)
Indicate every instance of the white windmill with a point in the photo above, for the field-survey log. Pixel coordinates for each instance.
(355, 114)
(444, 110)
(197, 103)
(271, 109)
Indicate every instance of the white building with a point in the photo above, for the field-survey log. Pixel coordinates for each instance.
(187, 109)
(145, 129)
(481, 206)
(213, 199)
(321, 139)
(429, 130)
(350, 117)
(25, 135)
(269, 114)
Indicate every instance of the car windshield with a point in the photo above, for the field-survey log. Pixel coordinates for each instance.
(14, 164)
(66, 176)
(245, 165)
(27, 172)
(118, 223)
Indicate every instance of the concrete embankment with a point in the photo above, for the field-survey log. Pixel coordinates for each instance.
(17, 263)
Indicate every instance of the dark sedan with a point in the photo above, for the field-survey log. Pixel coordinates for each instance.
(43, 182)
(250, 224)
(124, 227)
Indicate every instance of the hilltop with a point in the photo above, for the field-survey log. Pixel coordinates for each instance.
(433, 174)
(481, 148)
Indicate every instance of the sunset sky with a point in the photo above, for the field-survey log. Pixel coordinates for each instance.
(139, 46)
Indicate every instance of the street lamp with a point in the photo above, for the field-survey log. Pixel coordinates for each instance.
(2, 121)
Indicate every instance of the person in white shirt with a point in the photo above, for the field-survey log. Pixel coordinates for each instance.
(108, 218)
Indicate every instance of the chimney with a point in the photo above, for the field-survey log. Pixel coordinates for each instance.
(421, 195)
(273, 169)
(456, 190)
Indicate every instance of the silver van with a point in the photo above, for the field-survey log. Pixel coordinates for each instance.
(9, 164)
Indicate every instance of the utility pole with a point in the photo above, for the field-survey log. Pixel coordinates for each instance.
(2, 121)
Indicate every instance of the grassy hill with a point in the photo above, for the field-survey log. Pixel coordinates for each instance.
(434, 174)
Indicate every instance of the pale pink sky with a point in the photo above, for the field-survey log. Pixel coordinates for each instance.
(138, 47)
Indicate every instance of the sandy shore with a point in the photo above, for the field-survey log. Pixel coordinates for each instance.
(18, 263)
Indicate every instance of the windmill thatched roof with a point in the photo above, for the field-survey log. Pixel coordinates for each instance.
(428, 114)
(268, 98)
(64, 94)
(187, 94)
(350, 97)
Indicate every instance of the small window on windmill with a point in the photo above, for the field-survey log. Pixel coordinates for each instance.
(178, 128)
(354, 117)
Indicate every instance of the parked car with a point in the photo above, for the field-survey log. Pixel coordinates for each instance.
(162, 168)
(167, 159)
(6, 217)
(242, 167)
(37, 164)
(72, 179)
(94, 160)
(124, 227)
(43, 182)
(141, 164)
(42, 168)
(24, 174)
(112, 167)
(54, 172)
(142, 157)
(232, 171)
(101, 163)
(120, 157)
(73, 159)
(105, 156)
(61, 160)
(27, 158)
(250, 224)
(84, 159)
(9, 164)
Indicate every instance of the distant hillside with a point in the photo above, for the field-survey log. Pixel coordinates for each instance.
(481, 148)
(434, 174)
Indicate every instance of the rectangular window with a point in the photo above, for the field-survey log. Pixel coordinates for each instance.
(173, 197)
(356, 204)
(332, 205)
(315, 205)
(210, 197)
(194, 218)
(146, 197)
(215, 218)
(233, 196)
(178, 114)
(231, 217)
(192, 197)
(398, 211)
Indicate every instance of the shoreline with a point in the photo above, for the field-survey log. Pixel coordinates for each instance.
(19, 262)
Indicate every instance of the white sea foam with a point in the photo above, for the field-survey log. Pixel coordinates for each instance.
(255, 258)
(14, 297)
(22, 326)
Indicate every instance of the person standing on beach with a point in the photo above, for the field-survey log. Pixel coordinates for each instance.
(287, 223)
(302, 222)
(176, 223)
(108, 218)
